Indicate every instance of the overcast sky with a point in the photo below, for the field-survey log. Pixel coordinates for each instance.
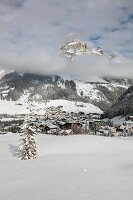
(32, 31)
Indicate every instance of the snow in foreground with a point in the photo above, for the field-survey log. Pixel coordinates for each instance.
(67, 168)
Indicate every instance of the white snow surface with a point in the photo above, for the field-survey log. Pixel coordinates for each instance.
(13, 107)
(70, 167)
(89, 90)
(71, 106)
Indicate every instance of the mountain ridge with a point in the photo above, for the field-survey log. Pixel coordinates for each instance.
(42, 88)
(102, 92)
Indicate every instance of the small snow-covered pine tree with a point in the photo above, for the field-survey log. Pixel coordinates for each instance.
(28, 146)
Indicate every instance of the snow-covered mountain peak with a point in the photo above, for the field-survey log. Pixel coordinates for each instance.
(73, 48)
(97, 51)
(76, 47)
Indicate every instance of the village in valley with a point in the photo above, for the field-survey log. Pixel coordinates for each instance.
(56, 121)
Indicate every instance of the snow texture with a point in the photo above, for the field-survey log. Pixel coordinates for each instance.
(69, 167)
(12, 107)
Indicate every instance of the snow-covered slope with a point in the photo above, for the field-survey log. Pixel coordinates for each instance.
(98, 91)
(30, 87)
(12, 108)
(71, 106)
(88, 90)
(21, 106)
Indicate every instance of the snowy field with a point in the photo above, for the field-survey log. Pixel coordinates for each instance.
(68, 168)
(14, 107)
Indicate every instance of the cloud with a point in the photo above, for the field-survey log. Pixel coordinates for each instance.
(31, 33)
(84, 67)
(36, 61)
(87, 66)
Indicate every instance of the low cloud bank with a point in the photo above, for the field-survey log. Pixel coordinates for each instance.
(40, 61)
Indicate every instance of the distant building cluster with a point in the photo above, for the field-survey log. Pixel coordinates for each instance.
(56, 121)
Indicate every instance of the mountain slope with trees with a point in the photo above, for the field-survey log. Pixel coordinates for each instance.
(124, 105)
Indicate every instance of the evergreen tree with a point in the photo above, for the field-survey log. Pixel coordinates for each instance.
(28, 146)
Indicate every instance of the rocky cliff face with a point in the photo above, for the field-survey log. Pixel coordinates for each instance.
(76, 47)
